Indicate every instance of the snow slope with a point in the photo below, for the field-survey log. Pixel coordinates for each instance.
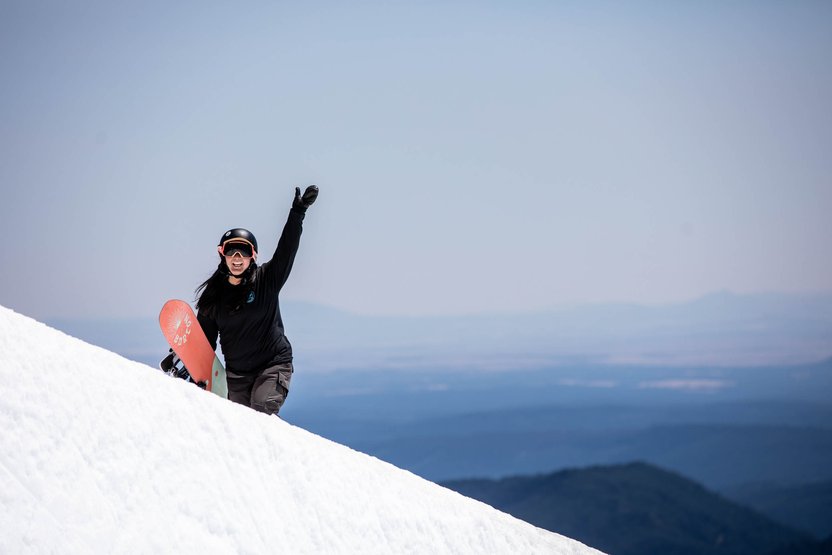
(99, 454)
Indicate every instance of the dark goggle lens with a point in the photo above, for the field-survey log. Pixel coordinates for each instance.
(243, 249)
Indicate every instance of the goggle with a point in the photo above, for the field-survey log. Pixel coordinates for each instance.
(232, 248)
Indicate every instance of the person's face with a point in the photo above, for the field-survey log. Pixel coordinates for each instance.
(238, 256)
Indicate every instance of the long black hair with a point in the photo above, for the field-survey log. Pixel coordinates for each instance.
(216, 291)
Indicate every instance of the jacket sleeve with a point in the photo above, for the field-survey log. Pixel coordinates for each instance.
(209, 327)
(277, 270)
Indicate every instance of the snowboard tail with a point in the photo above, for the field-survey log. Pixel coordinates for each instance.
(185, 336)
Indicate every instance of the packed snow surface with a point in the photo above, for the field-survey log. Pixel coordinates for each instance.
(99, 454)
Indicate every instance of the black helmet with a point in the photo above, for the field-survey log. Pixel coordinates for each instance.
(239, 234)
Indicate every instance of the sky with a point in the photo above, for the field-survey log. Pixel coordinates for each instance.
(471, 156)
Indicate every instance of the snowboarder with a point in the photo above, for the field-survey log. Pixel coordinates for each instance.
(239, 303)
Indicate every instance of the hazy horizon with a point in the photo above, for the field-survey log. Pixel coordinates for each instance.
(153, 311)
(718, 330)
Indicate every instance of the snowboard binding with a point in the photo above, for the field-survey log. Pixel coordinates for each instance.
(173, 366)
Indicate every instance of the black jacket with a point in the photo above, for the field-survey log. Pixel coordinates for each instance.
(247, 317)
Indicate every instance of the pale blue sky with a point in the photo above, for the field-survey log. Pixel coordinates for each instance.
(472, 156)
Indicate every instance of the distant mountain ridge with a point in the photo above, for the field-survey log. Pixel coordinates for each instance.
(633, 509)
(803, 507)
(718, 455)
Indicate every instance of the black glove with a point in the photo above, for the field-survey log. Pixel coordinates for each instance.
(305, 201)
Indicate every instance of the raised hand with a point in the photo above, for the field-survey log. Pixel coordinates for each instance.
(306, 200)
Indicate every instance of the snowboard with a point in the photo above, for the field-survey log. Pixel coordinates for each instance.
(188, 341)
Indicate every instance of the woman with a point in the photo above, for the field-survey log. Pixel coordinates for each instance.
(239, 303)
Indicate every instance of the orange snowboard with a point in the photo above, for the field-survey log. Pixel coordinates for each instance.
(186, 338)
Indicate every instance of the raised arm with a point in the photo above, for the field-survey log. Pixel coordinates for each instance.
(278, 268)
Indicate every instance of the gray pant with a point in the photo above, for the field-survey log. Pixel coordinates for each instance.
(265, 391)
